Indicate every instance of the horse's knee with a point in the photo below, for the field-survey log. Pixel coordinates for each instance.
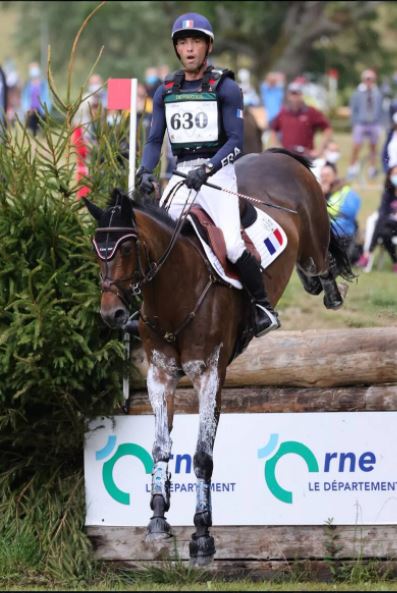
(203, 465)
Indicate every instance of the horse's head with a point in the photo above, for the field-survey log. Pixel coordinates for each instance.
(115, 247)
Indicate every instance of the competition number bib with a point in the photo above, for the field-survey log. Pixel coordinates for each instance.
(192, 121)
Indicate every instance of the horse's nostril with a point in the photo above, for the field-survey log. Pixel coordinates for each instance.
(119, 314)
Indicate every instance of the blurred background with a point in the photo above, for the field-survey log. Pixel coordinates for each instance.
(329, 43)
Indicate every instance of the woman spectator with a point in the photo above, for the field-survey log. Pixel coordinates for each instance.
(385, 229)
(343, 205)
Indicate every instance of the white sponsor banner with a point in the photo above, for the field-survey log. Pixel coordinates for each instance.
(269, 469)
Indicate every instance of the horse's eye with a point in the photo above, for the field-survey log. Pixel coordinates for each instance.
(126, 249)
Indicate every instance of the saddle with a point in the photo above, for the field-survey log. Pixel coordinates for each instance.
(213, 236)
(262, 235)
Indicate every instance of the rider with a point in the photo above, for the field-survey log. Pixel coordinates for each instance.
(202, 109)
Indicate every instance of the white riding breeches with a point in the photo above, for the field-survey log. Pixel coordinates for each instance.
(223, 208)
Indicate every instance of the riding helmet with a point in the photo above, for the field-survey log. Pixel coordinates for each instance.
(189, 23)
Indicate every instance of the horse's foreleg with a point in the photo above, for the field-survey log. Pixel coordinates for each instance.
(332, 296)
(161, 388)
(315, 283)
(208, 384)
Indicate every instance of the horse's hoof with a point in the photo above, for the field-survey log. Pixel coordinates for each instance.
(201, 560)
(158, 528)
(201, 549)
(333, 304)
(157, 537)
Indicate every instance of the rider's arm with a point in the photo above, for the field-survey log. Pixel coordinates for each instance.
(232, 116)
(152, 148)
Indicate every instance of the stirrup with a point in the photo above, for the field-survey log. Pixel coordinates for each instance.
(267, 323)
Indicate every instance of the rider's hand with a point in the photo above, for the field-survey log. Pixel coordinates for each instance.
(146, 181)
(196, 177)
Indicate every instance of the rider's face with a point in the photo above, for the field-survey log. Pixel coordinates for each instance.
(192, 52)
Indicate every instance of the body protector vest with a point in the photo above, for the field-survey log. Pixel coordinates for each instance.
(193, 119)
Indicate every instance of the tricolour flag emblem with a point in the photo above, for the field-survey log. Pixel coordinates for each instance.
(274, 242)
(188, 24)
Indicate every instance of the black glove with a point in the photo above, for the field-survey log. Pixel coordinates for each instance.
(196, 177)
(145, 181)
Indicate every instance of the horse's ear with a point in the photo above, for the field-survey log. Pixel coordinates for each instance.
(127, 211)
(94, 210)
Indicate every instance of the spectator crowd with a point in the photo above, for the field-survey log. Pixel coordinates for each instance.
(290, 114)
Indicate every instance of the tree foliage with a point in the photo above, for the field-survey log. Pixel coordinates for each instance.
(59, 364)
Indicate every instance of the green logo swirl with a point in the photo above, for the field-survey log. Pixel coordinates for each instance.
(270, 467)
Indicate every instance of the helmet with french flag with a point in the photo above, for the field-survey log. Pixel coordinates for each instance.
(191, 22)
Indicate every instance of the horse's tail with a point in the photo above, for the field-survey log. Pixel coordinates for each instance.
(339, 257)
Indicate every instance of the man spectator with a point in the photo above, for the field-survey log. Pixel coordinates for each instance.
(3, 99)
(272, 93)
(366, 119)
(297, 123)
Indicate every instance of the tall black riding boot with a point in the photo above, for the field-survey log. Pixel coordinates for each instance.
(266, 318)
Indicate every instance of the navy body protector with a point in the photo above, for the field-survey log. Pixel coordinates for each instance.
(200, 131)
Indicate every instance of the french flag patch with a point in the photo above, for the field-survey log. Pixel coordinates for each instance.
(274, 241)
(239, 113)
(188, 24)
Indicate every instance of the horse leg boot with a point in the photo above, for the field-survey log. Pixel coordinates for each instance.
(266, 318)
(161, 388)
(332, 296)
(158, 527)
(202, 544)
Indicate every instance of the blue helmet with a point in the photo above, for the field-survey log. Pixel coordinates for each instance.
(192, 22)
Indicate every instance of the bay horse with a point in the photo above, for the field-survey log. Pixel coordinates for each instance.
(183, 325)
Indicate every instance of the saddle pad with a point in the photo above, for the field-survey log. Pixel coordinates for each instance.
(267, 236)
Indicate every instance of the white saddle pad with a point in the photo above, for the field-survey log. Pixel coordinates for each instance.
(266, 234)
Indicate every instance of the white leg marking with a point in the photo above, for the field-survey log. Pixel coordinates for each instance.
(161, 382)
(205, 378)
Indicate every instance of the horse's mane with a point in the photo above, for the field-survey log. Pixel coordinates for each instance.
(154, 211)
(119, 196)
(295, 155)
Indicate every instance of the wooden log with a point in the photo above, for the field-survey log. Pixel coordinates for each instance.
(285, 571)
(311, 358)
(258, 543)
(283, 399)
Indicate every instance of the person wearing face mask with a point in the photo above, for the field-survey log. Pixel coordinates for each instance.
(330, 155)
(35, 98)
(343, 205)
(152, 81)
(366, 119)
(385, 228)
